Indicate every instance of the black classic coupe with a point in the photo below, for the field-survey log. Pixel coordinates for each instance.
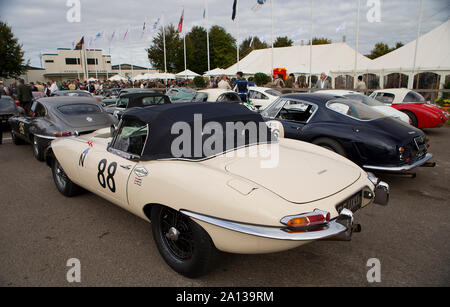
(352, 129)
(56, 117)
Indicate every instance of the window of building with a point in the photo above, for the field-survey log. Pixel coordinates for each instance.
(92, 61)
(49, 61)
(72, 61)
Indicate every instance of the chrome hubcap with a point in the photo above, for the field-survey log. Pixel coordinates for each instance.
(173, 234)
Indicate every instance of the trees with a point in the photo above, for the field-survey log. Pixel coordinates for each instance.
(320, 41)
(283, 41)
(381, 49)
(174, 50)
(245, 48)
(11, 54)
(222, 47)
(196, 53)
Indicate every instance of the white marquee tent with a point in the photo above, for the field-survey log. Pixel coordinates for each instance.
(215, 72)
(189, 74)
(325, 58)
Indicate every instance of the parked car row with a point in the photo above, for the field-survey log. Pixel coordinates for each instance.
(324, 144)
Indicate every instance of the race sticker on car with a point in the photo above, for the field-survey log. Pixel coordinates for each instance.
(353, 203)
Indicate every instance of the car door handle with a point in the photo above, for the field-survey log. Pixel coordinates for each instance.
(125, 166)
(297, 128)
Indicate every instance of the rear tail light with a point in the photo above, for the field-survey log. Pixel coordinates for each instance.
(59, 134)
(307, 220)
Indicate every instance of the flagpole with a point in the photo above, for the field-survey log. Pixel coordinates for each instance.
(164, 42)
(356, 43)
(86, 75)
(184, 42)
(238, 30)
(417, 44)
(271, 14)
(207, 34)
(310, 45)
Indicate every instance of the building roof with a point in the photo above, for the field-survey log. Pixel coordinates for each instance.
(126, 66)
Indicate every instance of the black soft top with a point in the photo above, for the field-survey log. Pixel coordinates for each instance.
(161, 118)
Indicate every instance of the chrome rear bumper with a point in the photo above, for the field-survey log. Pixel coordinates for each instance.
(403, 168)
(341, 228)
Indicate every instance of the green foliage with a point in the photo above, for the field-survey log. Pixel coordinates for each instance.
(261, 79)
(11, 54)
(174, 50)
(199, 82)
(222, 47)
(196, 50)
(245, 48)
(381, 49)
(320, 41)
(282, 41)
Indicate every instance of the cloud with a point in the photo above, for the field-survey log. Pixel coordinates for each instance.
(41, 26)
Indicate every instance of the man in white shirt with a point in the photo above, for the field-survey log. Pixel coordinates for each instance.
(223, 84)
(53, 87)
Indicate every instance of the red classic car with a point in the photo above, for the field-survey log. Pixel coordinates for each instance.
(421, 113)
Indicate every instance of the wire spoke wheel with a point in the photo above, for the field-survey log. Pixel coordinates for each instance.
(177, 234)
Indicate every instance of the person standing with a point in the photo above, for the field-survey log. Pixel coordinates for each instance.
(53, 87)
(278, 82)
(323, 83)
(241, 85)
(360, 85)
(24, 95)
(290, 81)
(223, 83)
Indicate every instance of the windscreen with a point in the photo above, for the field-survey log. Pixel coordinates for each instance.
(79, 109)
(354, 109)
(364, 99)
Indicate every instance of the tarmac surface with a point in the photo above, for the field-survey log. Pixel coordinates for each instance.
(40, 230)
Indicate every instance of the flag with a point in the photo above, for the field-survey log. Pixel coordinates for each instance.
(98, 35)
(88, 45)
(204, 13)
(258, 4)
(233, 15)
(112, 36)
(143, 27)
(180, 24)
(156, 24)
(341, 27)
(125, 35)
(79, 45)
(251, 42)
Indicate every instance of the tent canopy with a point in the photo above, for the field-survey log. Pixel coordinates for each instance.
(117, 78)
(325, 58)
(189, 74)
(215, 72)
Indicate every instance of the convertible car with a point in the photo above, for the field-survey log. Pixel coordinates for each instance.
(57, 117)
(221, 198)
(352, 129)
(421, 113)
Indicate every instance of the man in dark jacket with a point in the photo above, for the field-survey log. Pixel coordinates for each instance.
(24, 95)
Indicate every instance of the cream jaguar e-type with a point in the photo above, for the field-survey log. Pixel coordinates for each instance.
(223, 199)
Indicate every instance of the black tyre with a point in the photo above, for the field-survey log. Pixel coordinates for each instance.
(16, 140)
(331, 145)
(64, 185)
(38, 149)
(413, 118)
(185, 246)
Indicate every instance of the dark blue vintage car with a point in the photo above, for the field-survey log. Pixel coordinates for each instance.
(352, 129)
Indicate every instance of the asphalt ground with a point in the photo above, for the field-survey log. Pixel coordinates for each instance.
(40, 230)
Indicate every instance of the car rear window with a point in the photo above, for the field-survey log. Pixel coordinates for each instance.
(364, 99)
(77, 94)
(413, 97)
(79, 109)
(153, 100)
(354, 109)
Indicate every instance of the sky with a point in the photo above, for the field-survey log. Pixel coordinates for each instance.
(42, 26)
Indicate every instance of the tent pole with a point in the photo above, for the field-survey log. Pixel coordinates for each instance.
(417, 42)
(207, 34)
(356, 43)
(271, 14)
